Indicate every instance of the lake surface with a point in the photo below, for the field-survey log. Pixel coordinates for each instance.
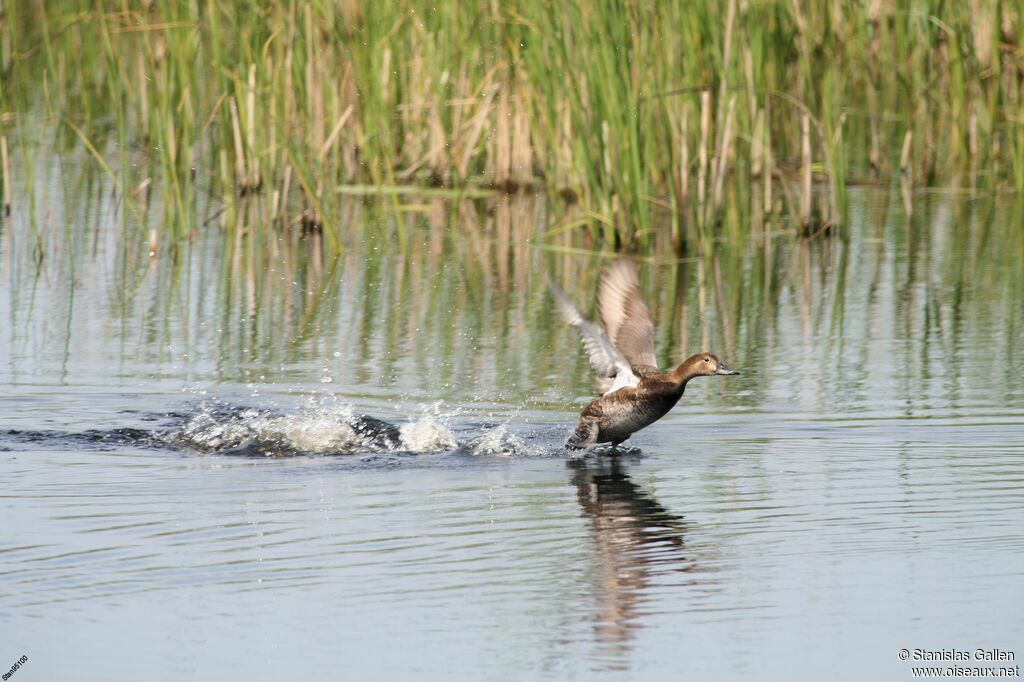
(189, 490)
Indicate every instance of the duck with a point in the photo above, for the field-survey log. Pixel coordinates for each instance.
(634, 393)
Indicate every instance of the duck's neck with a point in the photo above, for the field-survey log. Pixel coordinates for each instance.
(685, 371)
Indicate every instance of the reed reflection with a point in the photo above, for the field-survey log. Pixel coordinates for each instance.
(637, 542)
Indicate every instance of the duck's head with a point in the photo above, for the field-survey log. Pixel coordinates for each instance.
(703, 365)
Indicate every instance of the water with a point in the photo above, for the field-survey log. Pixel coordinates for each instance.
(195, 486)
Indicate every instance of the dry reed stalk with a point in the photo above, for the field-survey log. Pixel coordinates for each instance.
(5, 164)
(313, 108)
(349, 157)
(275, 155)
(462, 86)
(766, 148)
(143, 94)
(684, 159)
(428, 157)
(522, 152)
(500, 161)
(875, 153)
(723, 159)
(730, 19)
(801, 28)
(972, 142)
(385, 70)
(748, 66)
(606, 146)
(5, 51)
(570, 177)
(905, 152)
(335, 132)
(288, 86)
(437, 154)
(756, 148)
(250, 128)
(314, 102)
(241, 176)
(983, 29)
(172, 146)
(417, 85)
(805, 146)
(705, 131)
(467, 139)
(757, 172)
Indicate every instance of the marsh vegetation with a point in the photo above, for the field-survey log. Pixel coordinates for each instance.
(700, 121)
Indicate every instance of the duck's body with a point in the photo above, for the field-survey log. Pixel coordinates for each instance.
(635, 393)
(617, 415)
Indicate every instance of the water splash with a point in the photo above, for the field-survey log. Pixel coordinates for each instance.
(320, 426)
(427, 434)
(501, 442)
(314, 429)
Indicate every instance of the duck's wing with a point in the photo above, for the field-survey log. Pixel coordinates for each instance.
(625, 316)
(613, 370)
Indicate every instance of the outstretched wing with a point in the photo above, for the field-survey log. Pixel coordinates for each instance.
(625, 316)
(611, 366)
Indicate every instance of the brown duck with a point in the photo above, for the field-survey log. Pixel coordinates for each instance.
(634, 393)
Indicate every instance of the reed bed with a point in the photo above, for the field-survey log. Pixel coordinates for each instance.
(698, 120)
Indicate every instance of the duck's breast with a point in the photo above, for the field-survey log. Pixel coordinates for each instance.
(623, 413)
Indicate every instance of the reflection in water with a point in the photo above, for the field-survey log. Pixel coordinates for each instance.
(635, 540)
(461, 312)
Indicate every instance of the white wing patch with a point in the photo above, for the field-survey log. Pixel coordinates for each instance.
(604, 357)
(623, 380)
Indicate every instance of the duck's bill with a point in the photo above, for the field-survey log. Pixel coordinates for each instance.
(722, 369)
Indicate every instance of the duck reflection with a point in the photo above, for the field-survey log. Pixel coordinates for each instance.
(636, 542)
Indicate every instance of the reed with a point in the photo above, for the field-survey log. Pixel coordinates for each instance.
(645, 117)
(5, 177)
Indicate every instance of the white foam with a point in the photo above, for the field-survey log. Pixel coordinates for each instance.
(499, 442)
(330, 426)
(426, 434)
(313, 429)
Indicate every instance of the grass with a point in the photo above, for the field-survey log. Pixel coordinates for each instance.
(686, 118)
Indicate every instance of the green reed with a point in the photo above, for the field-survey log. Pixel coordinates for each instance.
(690, 118)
